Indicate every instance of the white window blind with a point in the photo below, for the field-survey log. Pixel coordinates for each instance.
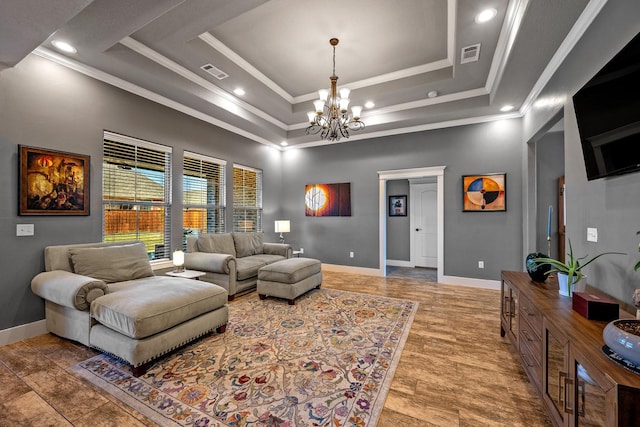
(247, 199)
(136, 193)
(203, 195)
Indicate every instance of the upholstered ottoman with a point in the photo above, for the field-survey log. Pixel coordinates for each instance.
(289, 278)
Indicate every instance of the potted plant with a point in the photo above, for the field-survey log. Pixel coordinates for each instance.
(570, 272)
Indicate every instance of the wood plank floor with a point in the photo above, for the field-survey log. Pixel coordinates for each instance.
(455, 368)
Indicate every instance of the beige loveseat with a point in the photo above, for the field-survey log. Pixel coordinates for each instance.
(232, 260)
(106, 296)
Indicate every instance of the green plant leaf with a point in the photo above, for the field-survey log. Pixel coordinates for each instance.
(572, 267)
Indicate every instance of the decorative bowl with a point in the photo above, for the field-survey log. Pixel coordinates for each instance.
(623, 337)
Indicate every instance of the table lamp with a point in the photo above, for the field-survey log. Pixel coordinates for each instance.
(283, 226)
(178, 261)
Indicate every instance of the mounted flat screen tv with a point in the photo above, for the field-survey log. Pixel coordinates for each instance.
(608, 115)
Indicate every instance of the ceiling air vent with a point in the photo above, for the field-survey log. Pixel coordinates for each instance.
(215, 72)
(470, 53)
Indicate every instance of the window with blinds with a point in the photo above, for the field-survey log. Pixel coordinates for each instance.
(136, 193)
(203, 195)
(247, 199)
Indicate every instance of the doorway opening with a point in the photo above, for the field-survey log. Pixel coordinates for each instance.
(430, 173)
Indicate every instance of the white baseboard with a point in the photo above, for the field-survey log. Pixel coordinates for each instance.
(399, 263)
(474, 283)
(352, 269)
(22, 332)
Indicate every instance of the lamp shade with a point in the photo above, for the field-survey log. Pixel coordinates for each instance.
(283, 226)
(178, 258)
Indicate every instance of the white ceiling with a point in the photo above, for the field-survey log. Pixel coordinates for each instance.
(392, 53)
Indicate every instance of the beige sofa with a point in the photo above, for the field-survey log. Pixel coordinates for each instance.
(106, 296)
(232, 260)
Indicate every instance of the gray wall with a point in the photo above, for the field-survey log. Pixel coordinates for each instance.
(493, 237)
(398, 233)
(43, 104)
(549, 167)
(611, 205)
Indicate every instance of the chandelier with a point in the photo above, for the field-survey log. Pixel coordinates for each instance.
(331, 118)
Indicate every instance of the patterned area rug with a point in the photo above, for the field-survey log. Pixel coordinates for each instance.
(326, 361)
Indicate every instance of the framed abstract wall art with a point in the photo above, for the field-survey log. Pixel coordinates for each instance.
(397, 205)
(327, 199)
(53, 182)
(484, 193)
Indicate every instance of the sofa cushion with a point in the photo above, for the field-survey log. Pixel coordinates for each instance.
(268, 259)
(248, 267)
(248, 244)
(290, 270)
(217, 243)
(112, 263)
(144, 307)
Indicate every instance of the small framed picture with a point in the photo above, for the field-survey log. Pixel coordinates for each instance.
(484, 193)
(397, 205)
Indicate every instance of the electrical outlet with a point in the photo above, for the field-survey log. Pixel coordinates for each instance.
(592, 234)
(480, 264)
(351, 254)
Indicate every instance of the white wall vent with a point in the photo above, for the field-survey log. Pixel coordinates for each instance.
(470, 53)
(215, 72)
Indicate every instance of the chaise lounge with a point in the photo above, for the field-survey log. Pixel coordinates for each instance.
(106, 296)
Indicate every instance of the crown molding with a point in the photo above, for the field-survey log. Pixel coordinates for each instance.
(510, 28)
(147, 94)
(245, 65)
(590, 13)
(411, 129)
(162, 60)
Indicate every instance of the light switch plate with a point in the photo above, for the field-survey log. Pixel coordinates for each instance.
(24, 230)
(592, 234)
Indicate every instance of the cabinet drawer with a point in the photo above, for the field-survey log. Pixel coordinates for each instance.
(531, 365)
(530, 314)
(533, 341)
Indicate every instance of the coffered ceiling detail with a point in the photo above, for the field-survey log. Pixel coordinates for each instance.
(393, 54)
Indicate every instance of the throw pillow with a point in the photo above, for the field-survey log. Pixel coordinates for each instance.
(248, 244)
(112, 263)
(216, 244)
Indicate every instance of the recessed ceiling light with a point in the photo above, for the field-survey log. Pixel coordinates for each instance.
(239, 91)
(506, 108)
(284, 143)
(432, 94)
(64, 46)
(369, 104)
(486, 15)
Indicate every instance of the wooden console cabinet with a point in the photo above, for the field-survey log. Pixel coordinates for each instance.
(561, 352)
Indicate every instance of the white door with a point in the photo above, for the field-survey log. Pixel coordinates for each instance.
(423, 221)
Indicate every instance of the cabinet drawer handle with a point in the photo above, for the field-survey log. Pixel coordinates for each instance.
(568, 387)
(561, 385)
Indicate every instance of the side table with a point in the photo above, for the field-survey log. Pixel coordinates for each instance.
(187, 274)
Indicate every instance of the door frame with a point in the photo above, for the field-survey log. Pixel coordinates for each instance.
(388, 175)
